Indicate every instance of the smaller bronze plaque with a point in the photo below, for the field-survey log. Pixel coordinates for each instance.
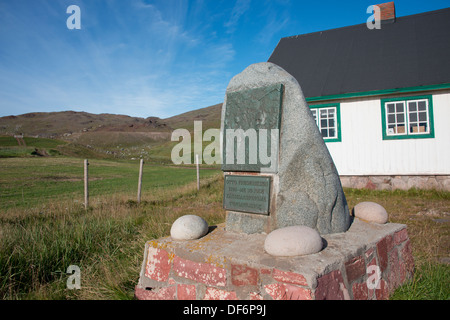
(247, 193)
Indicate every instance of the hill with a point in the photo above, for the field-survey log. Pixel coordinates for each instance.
(106, 135)
(210, 117)
(66, 123)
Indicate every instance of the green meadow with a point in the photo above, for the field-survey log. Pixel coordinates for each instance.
(44, 226)
(9, 147)
(31, 182)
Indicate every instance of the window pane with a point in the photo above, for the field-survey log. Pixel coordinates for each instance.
(400, 118)
(391, 129)
(413, 117)
(323, 123)
(412, 106)
(422, 116)
(331, 123)
(422, 105)
(399, 107)
(324, 133)
(331, 113)
(423, 127)
(332, 133)
(400, 129)
(323, 113)
(413, 128)
(391, 118)
(391, 108)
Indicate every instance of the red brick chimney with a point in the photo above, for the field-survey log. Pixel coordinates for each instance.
(387, 11)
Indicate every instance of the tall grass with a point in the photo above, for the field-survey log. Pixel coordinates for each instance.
(35, 247)
(431, 281)
(106, 241)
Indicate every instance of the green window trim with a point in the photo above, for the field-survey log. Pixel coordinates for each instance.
(407, 134)
(337, 127)
(407, 90)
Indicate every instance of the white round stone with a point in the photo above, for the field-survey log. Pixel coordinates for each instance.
(371, 212)
(189, 227)
(293, 241)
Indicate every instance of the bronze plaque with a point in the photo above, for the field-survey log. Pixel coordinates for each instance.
(247, 193)
(247, 113)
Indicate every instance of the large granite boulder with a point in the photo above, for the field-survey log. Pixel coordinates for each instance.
(306, 189)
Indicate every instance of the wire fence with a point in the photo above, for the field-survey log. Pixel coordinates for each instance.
(33, 182)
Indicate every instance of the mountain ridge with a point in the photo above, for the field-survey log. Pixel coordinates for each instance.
(103, 135)
(64, 124)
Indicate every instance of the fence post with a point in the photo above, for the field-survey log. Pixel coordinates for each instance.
(86, 185)
(140, 181)
(198, 172)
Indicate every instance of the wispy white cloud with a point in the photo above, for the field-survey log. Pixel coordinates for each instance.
(273, 19)
(240, 8)
(273, 26)
(136, 58)
(126, 59)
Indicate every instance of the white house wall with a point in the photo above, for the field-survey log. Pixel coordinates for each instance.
(363, 151)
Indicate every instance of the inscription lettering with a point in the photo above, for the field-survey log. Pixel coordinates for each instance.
(247, 193)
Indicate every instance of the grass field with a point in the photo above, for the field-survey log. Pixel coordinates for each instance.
(44, 227)
(9, 147)
(33, 182)
(153, 147)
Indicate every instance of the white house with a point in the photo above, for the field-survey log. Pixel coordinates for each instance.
(381, 97)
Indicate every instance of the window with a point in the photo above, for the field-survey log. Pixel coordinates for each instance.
(407, 118)
(327, 118)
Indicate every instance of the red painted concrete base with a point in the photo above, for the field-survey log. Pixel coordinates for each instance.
(367, 262)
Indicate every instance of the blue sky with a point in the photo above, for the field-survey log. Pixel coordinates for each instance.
(150, 58)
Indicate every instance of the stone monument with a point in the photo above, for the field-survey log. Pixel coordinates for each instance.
(280, 186)
(299, 184)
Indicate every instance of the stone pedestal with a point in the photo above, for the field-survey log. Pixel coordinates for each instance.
(367, 262)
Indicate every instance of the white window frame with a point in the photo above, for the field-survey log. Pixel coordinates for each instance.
(408, 118)
(321, 114)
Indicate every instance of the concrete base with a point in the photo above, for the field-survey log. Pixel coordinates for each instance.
(367, 262)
